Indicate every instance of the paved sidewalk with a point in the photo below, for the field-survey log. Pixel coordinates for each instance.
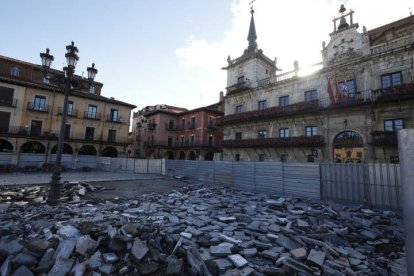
(43, 178)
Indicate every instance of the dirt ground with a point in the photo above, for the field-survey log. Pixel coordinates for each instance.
(127, 189)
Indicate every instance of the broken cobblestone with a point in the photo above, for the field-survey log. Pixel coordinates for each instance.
(203, 231)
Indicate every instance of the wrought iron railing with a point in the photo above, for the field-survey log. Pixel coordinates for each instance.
(299, 141)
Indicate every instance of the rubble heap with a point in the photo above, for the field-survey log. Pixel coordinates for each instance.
(196, 231)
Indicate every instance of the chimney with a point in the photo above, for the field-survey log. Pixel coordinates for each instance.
(221, 96)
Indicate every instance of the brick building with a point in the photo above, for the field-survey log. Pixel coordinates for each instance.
(163, 131)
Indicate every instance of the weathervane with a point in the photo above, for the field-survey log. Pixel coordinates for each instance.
(251, 4)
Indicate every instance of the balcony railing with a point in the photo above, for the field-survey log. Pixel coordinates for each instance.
(152, 126)
(71, 112)
(91, 115)
(26, 131)
(8, 103)
(114, 119)
(394, 93)
(299, 141)
(36, 107)
(238, 87)
(384, 138)
(183, 144)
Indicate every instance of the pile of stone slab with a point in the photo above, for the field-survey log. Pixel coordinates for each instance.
(198, 231)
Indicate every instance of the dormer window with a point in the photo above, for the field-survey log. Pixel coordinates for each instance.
(240, 79)
(92, 89)
(15, 71)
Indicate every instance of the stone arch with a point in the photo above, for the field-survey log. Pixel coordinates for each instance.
(348, 147)
(33, 147)
(109, 152)
(209, 156)
(192, 155)
(5, 146)
(67, 149)
(87, 150)
(182, 155)
(169, 155)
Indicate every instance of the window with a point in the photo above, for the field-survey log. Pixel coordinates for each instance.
(262, 104)
(39, 103)
(111, 135)
(192, 122)
(240, 79)
(192, 140)
(182, 123)
(394, 159)
(89, 133)
(391, 79)
(283, 132)
(262, 134)
(182, 140)
(311, 95)
(92, 89)
(92, 111)
(237, 157)
(283, 157)
(393, 124)
(170, 141)
(114, 115)
(283, 100)
(210, 140)
(238, 136)
(71, 111)
(6, 96)
(36, 128)
(15, 71)
(171, 125)
(46, 80)
(67, 131)
(311, 131)
(239, 109)
(261, 157)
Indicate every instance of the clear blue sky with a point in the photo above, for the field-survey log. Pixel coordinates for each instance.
(171, 51)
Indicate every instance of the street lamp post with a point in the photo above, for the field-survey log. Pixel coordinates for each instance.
(68, 83)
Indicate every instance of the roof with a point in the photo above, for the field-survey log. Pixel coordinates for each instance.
(379, 31)
(60, 90)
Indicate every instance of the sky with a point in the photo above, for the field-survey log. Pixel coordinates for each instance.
(171, 52)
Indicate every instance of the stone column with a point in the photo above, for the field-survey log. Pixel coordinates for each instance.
(406, 152)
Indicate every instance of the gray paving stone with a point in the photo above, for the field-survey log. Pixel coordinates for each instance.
(220, 251)
(237, 260)
(62, 266)
(316, 257)
(139, 249)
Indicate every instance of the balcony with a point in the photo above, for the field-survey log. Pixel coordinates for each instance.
(8, 103)
(27, 132)
(152, 126)
(299, 141)
(31, 106)
(114, 119)
(91, 115)
(238, 87)
(395, 93)
(71, 112)
(384, 138)
(182, 144)
(268, 113)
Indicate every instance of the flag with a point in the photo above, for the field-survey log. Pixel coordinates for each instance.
(355, 87)
(330, 92)
(344, 93)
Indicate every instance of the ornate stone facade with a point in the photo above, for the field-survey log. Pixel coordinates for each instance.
(347, 110)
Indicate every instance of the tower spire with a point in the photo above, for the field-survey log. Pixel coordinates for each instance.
(252, 37)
